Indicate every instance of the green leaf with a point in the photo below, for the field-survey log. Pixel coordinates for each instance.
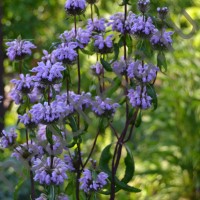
(52, 193)
(96, 10)
(116, 52)
(161, 60)
(106, 65)
(70, 187)
(129, 44)
(49, 135)
(104, 159)
(130, 166)
(152, 93)
(139, 119)
(17, 188)
(115, 85)
(87, 52)
(22, 109)
(72, 123)
(126, 187)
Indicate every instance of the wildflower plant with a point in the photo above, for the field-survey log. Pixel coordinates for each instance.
(57, 116)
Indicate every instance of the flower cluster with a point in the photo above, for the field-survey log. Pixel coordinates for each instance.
(8, 138)
(162, 40)
(48, 73)
(143, 27)
(141, 71)
(90, 183)
(102, 45)
(75, 7)
(66, 52)
(22, 86)
(48, 113)
(50, 173)
(139, 97)
(18, 49)
(162, 12)
(97, 69)
(28, 151)
(96, 25)
(119, 67)
(104, 107)
(143, 5)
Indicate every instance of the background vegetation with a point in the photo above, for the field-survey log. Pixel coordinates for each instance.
(166, 147)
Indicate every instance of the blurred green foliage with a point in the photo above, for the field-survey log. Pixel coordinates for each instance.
(166, 147)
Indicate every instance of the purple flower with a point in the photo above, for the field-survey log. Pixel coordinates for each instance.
(117, 22)
(18, 49)
(104, 107)
(162, 12)
(75, 7)
(27, 152)
(66, 52)
(68, 160)
(1, 98)
(83, 37)
(48, 73)
(92, 183)
(68, 36)
(27, 120)
(42, 197)
(143, 27)
(80, 101)
(47, 174)
(139, 97)
(161, 40)
(119, 67)
(48, 56)
(103, 45)
(8, 138)
(22, 86)
(47, 113)
(25, 84)
(97, 69)
(143, 5)
(97, 25)
(129, 23)
(143, 72)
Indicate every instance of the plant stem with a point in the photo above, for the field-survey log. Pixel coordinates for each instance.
(32, 183)
(91, 12)
(118, 147)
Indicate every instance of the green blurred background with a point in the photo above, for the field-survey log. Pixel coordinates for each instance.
(166, 147)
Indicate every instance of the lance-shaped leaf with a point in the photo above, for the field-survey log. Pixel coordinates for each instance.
(152, 93)
(106, 65)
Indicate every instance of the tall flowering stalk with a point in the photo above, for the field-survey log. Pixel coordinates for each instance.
(58, 117)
